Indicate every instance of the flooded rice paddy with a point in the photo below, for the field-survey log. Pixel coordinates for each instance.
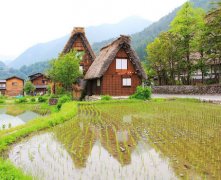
(11, 118)
(167, 140)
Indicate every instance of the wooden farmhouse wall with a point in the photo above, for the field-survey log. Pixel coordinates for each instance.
(112, 80)
(14, 87)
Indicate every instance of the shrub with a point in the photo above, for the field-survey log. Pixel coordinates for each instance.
(142, 93)
(42, 99)
(21, 100)
(33, 100)
(62, 100)
(1, 101)
(106, 98)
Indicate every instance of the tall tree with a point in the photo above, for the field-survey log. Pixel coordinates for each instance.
(185, 25)
(213, 39)
(65, 69)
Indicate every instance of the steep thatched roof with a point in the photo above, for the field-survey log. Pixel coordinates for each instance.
(107, 55)
(78, 32)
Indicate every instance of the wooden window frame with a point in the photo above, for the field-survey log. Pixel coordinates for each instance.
(14, 84)
(98, 82)
(126, 81)
(121, 63)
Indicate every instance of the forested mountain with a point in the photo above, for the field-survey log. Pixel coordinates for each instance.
(141, 39)
(49, 50)
(24, 71)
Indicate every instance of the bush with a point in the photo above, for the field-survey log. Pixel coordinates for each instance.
(106, 98)
(42, 99)
(62, 100)
(142, 93)
(33, 100)
(21, 100)
(1, 101)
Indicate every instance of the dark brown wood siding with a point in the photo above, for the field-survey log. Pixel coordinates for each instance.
(86, 60)
(112, 80)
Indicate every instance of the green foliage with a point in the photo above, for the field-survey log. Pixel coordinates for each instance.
(33, 99)
(106, 98)
(63, 99)
(21, 100)
(42, 99)
(65, 69)
(175, 56)
(143, 93)
(49, 89)
(2, 101)
(9, 172)
(29, 87)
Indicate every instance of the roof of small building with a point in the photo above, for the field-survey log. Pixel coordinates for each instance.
(15, 77)
(107, 55)
(36, 75)
(78, 32)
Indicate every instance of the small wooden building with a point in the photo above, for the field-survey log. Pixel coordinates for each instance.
(41, 82)
(14, 86)
(79, 42)
(2, 87)
(117, 70)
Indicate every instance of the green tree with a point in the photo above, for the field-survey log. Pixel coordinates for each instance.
(186, 25)
(156, 60)
(213, 40)
(29, 87)
(65, 69)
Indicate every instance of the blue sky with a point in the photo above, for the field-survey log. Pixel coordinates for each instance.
(24, 23)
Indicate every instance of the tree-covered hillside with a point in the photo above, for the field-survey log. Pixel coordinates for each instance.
(141, 39)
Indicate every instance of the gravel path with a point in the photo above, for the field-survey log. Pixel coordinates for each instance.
(201, 97)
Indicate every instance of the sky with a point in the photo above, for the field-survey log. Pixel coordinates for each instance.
(24, 23)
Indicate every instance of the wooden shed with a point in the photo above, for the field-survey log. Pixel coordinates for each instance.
(14, 86)
(79, 42)
(117, 70)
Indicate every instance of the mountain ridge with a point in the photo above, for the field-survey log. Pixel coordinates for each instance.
(46, 51)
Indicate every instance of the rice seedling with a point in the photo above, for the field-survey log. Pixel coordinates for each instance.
(112, 140)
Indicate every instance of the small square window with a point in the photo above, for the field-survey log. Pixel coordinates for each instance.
(126, 81)
(14, 83)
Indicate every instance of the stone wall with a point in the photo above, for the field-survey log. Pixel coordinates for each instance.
(212, 89)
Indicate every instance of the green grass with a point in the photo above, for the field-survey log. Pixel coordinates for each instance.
(8, 137)
(9, 172)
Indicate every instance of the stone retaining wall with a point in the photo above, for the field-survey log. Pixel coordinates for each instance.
(212, 89)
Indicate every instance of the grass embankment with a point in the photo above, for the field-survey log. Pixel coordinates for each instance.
(9, 172)
(7, 137)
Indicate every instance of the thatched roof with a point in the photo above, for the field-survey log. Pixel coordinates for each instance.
(78, 32)
(107, 55)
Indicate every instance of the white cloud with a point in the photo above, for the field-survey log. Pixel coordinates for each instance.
(24, 23)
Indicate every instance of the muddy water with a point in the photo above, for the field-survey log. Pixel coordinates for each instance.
(86, 150)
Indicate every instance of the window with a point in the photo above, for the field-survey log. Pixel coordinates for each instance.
(126, 81)
(121, 63)
(81, 69)
(14, 83)
(98, 82)
(2, 85)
